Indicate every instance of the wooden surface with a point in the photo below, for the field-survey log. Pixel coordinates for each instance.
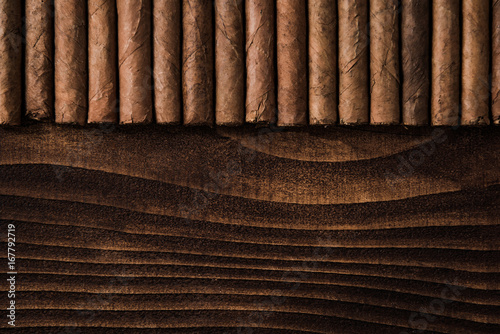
(192, 230)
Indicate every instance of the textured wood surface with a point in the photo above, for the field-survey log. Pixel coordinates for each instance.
(172, 230)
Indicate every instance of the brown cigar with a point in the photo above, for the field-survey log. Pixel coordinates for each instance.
(475, 62)
(39, 60)
(495, 100)
(445, 95)
(10, 62)
(415, 40)
(134, 61)
(322, 61)
(71, 61)
(384, 61)
(198, 62)
(354, 97)
(229, 62)
(292, 62)
(260, 39)
(167, 60)
(102, 62)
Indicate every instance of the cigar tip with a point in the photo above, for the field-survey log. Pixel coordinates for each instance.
(479, 121)
(412, 124)
(322, 121)
(134, 122)
(101, 122)
(385, 123)
(355, 122)
(257, 121)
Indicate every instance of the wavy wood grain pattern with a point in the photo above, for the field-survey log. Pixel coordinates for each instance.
(173, 230)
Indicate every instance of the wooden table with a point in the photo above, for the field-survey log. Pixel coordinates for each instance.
(195, 230)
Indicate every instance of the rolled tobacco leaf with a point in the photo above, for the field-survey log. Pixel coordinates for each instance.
(260, 51)
(415, 40)
(10, 62)
(39, 60)
(102, 62)
(292, 62)
(384, 61)
(198, 62)
(134, 61)
(495, 80)
(354, 96)
(167, 32)
(475, 62)
(445, 94)
(322, 61)
(229, 62)
(71, 61)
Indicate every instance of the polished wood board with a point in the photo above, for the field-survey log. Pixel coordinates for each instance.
(151, 229)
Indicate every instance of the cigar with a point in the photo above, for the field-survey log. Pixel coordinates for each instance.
(495, 100)
(229, 62)
(292, 62)
(475, 62)
(260, 39)
(384, 61)
(353, 62)
(134, 61)
(39, 60)
(198, 62)
(322, 61)
(446, 48)
(71, 61)
(10, 62)
(102, 62)
(167, 34)
(415, 40)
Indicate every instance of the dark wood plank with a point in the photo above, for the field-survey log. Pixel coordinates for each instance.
(173, 230)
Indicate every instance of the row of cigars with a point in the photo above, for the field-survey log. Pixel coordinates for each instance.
(294, 62)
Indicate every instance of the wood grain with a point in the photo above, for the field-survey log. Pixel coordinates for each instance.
(193, 230)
